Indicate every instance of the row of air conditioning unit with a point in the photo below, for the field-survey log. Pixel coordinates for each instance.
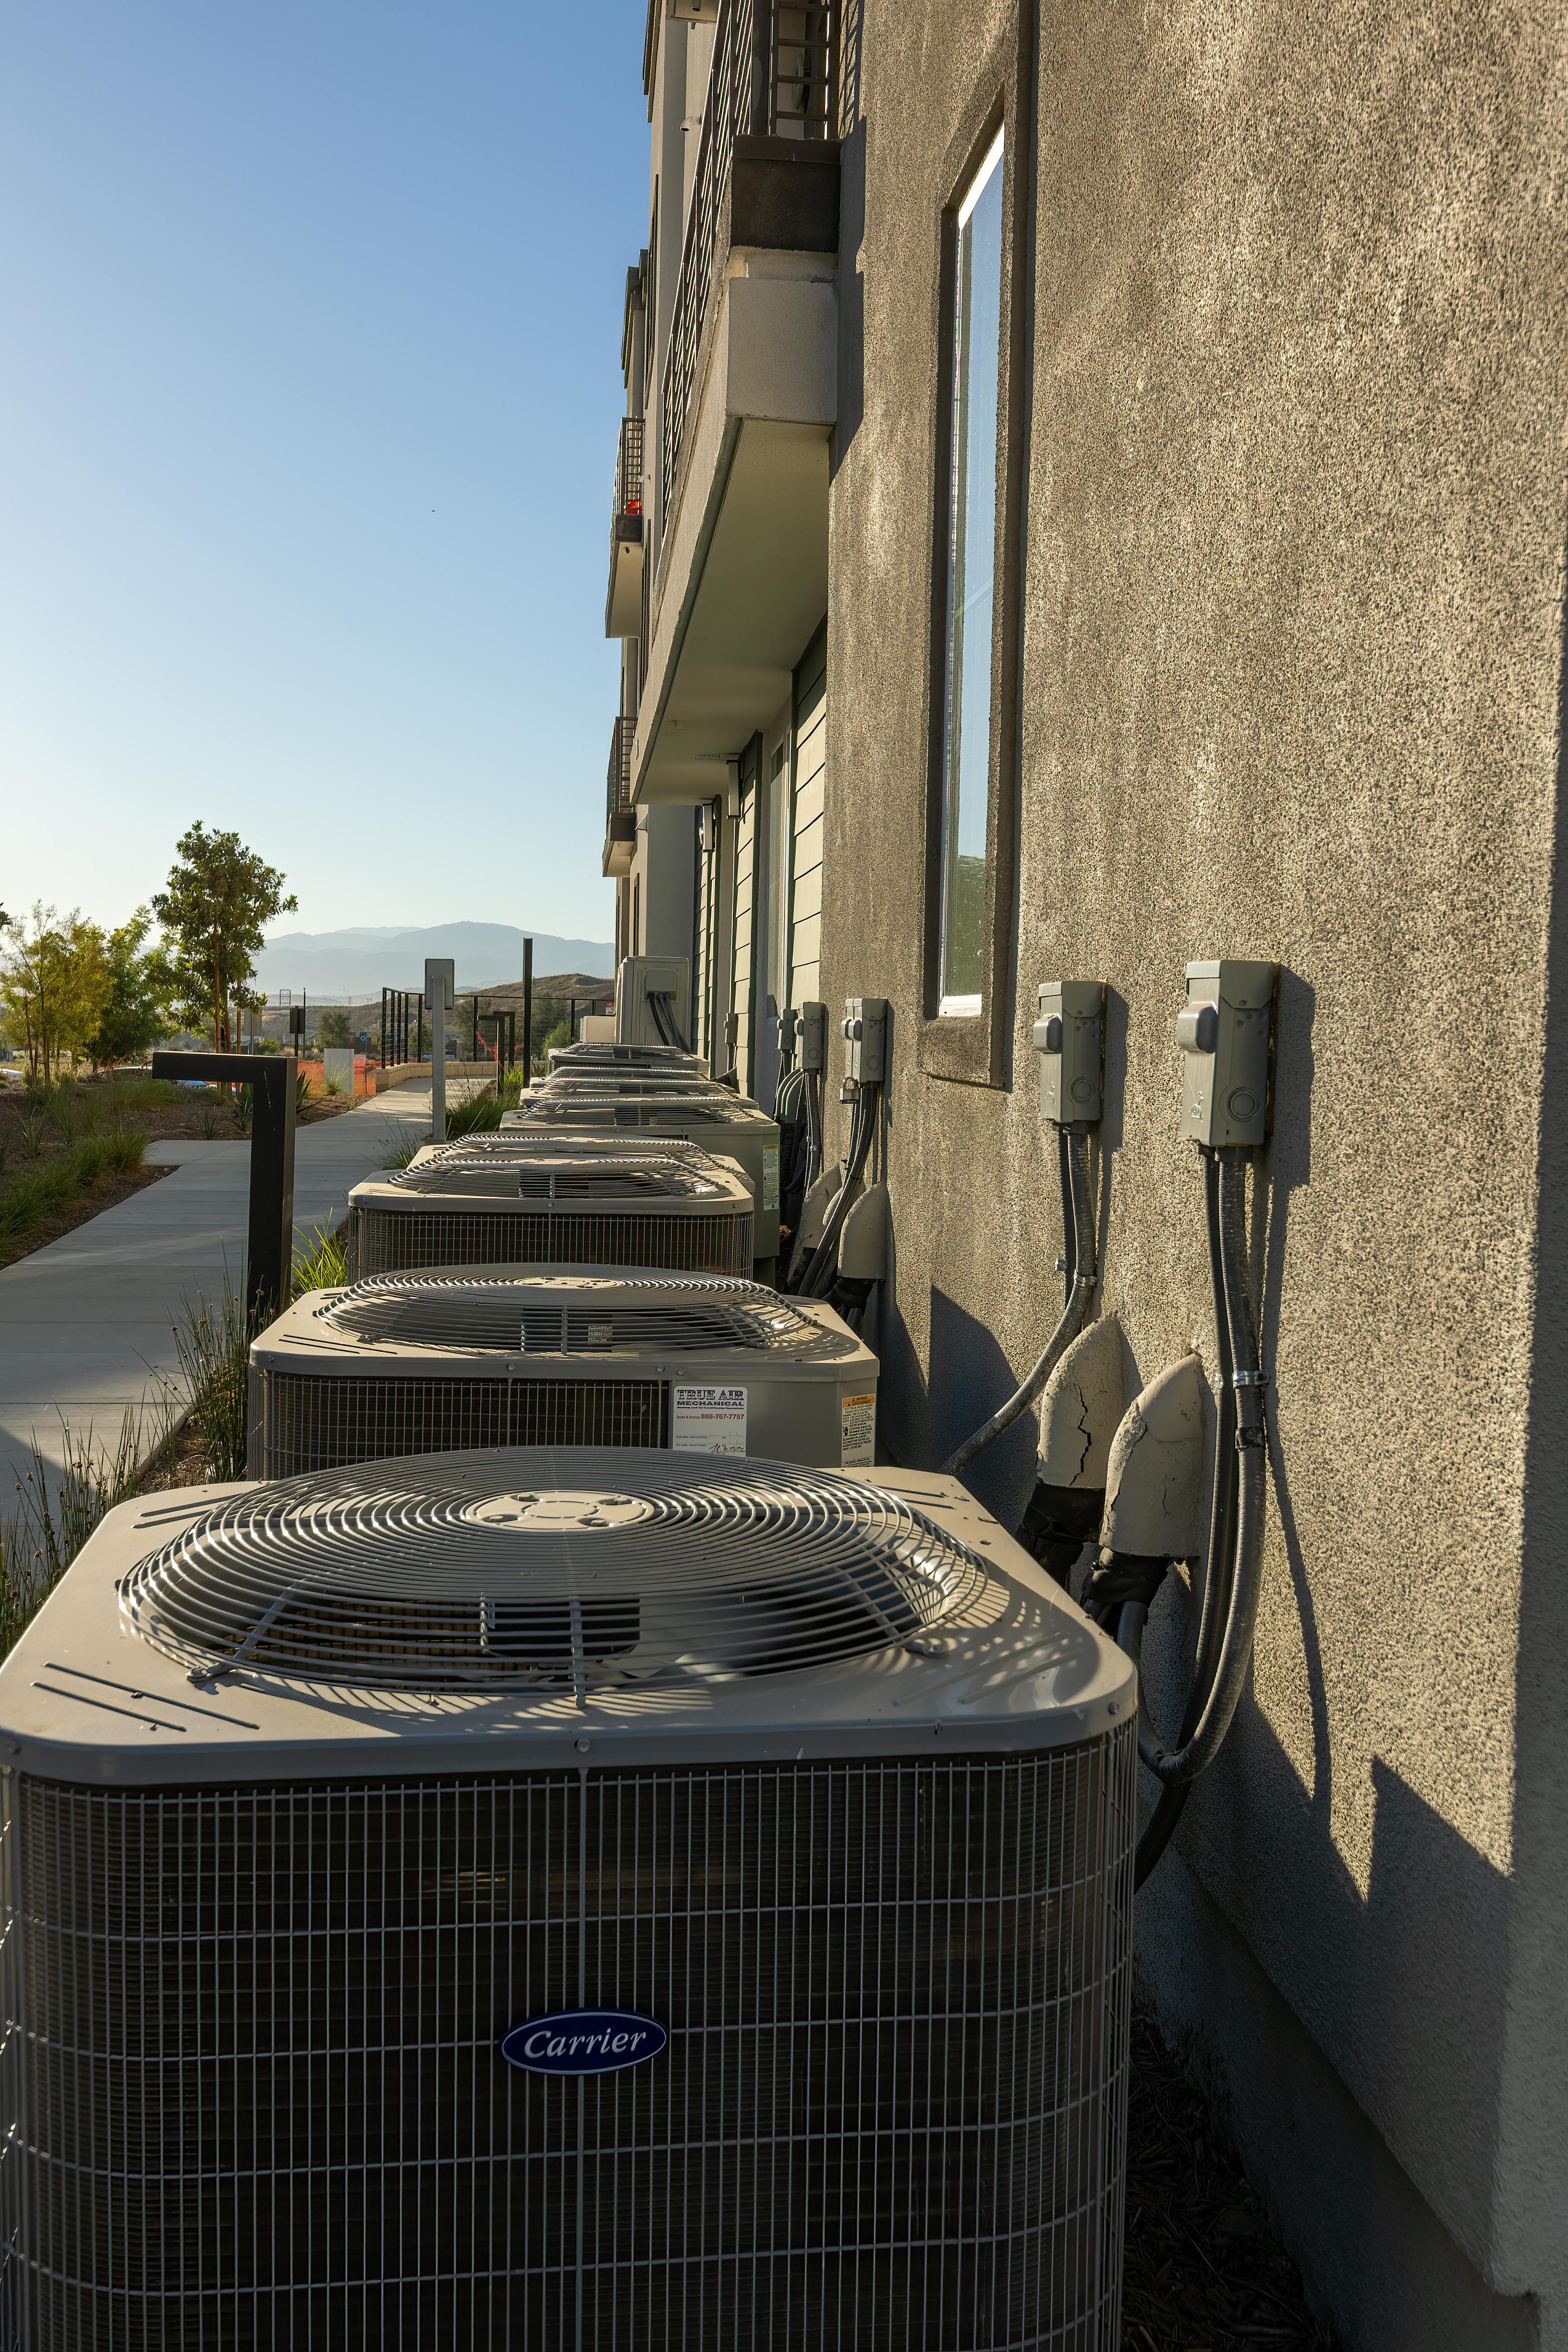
(558, 1857)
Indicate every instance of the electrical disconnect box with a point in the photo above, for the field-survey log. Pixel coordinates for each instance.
(643, 980)
(1225, 1032)
(866, 1035)
(814, 1036)
(1069, 1039)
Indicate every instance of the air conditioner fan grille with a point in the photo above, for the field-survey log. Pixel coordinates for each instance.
(628, 1181)
(592, 1572)
(627, 1319)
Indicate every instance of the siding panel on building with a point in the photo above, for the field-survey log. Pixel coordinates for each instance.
(806, 822)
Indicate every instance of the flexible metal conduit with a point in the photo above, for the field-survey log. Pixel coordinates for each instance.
(1078, 1225)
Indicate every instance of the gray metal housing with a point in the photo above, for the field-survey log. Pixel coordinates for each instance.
(560, 1208)
(733, 1128)
(415, 1363)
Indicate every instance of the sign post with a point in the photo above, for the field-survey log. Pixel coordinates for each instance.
(440, 979)
(269, 1245)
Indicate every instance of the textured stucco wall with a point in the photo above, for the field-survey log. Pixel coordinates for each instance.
(1292, 640)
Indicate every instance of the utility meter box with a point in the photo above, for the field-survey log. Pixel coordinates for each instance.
(653, 1001)
(866, 1038)
(1069, 1040)
(1225, 1032)
(814, 1036)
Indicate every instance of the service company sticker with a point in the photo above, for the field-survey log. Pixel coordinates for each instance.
(707, 1420)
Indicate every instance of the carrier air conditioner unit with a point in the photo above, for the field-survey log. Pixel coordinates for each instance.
(653, 998)
(549, 1898)
(411, 1363)
(730, 1126)
(496, 1209)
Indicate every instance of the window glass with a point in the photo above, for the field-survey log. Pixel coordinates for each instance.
(970, 569)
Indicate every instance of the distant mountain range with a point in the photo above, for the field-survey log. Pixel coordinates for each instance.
(366, 958)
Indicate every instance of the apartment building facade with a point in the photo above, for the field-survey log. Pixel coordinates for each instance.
(1093, 498)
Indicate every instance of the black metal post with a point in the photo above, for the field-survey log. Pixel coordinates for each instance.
(420, 1017)
(383, 1028)
(269, 1243)
(527, 1008)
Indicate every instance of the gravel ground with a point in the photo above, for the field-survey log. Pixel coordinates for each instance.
(1205, 2272)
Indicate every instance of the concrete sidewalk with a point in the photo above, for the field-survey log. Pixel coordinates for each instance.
(86, 1324)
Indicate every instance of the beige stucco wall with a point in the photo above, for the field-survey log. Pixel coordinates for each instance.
(1291, 663)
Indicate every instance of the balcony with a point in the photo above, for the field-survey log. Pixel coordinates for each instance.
(772, 80)
(620, 817)
(747, 400)
(623, 603)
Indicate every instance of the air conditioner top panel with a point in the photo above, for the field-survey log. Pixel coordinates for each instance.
(590, 1111)
(637, 1085)
(547, 1609)
(647, 1181)
(644, 1325)
(622, 1056)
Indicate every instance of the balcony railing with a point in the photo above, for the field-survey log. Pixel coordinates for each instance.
(773, 75)
(623, 602)
(628, 471)
(619, 783)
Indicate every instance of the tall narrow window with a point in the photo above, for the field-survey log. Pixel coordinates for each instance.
(971, 583)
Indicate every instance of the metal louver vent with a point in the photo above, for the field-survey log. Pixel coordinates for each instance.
(591, 1573)
(555, 1317)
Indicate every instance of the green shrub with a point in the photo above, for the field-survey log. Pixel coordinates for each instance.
(323, 1263)
(57, 1509)
(213, 1337)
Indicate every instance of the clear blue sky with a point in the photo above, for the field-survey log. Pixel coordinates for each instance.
(312, 318)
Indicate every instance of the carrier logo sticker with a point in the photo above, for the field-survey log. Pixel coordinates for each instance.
(707, 1420)
(857, 1432)
(583, 2042)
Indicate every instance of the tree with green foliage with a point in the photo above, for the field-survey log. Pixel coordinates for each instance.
(333, 1027)
(136, 1015)
(214, 913)
(54, 984)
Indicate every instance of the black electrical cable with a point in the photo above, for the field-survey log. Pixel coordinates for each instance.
(1078, 1222)
(812, 1126)
(863, 1125)
(1219, 1569)
(1216, 1696)
(663, 1005)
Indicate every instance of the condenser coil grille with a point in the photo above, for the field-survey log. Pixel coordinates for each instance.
(629, 1318)
(313, 1422)
(411, 1575)
(386, 1239)
(258, 2101)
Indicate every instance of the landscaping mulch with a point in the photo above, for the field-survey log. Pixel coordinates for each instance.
(107, 1194)
(1204, 2271)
